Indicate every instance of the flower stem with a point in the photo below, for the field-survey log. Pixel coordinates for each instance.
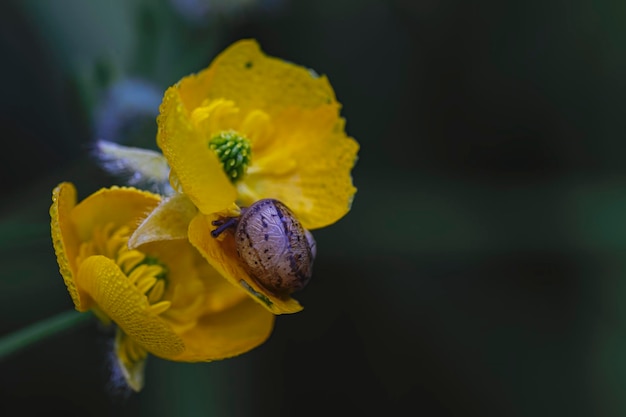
(27, 336)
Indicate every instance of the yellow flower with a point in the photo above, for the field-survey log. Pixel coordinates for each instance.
(163, 296)
(246, 128)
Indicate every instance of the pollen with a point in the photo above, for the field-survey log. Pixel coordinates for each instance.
(233, 151)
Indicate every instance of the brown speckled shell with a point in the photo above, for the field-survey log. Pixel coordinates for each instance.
(275, 249)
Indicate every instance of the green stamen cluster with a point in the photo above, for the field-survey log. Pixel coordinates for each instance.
(233, 151)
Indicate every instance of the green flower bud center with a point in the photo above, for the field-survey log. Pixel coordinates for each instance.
(233, 151)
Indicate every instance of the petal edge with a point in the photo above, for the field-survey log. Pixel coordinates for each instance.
(128, 307)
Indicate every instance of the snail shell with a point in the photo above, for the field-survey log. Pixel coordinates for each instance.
(275, 249)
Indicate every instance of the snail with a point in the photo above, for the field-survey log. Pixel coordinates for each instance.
(274, 248)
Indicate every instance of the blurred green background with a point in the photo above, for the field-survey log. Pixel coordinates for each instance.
(481, 270)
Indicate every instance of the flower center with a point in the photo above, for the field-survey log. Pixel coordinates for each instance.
(143, 271)
(233, 151)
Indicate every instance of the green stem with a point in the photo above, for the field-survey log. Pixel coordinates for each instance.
(27, 336)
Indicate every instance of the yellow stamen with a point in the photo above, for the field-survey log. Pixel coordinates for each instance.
(145, 283)
(157, 292)
(159, 307)
(212, 115)
(145, 272)
(137, 273)
(130, 259)
(258, 128)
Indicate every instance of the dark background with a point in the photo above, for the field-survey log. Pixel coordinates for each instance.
(481, 270)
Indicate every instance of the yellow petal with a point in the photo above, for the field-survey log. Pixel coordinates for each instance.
(119, 206)
(195, 167)
(168, 221)
(73, 224)
(222, 255)
(307, 162)
(318, 188)
(66, 242)
(253, 80)
(192, 278)
(228, 333)
(214, 318)
(126, 306)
